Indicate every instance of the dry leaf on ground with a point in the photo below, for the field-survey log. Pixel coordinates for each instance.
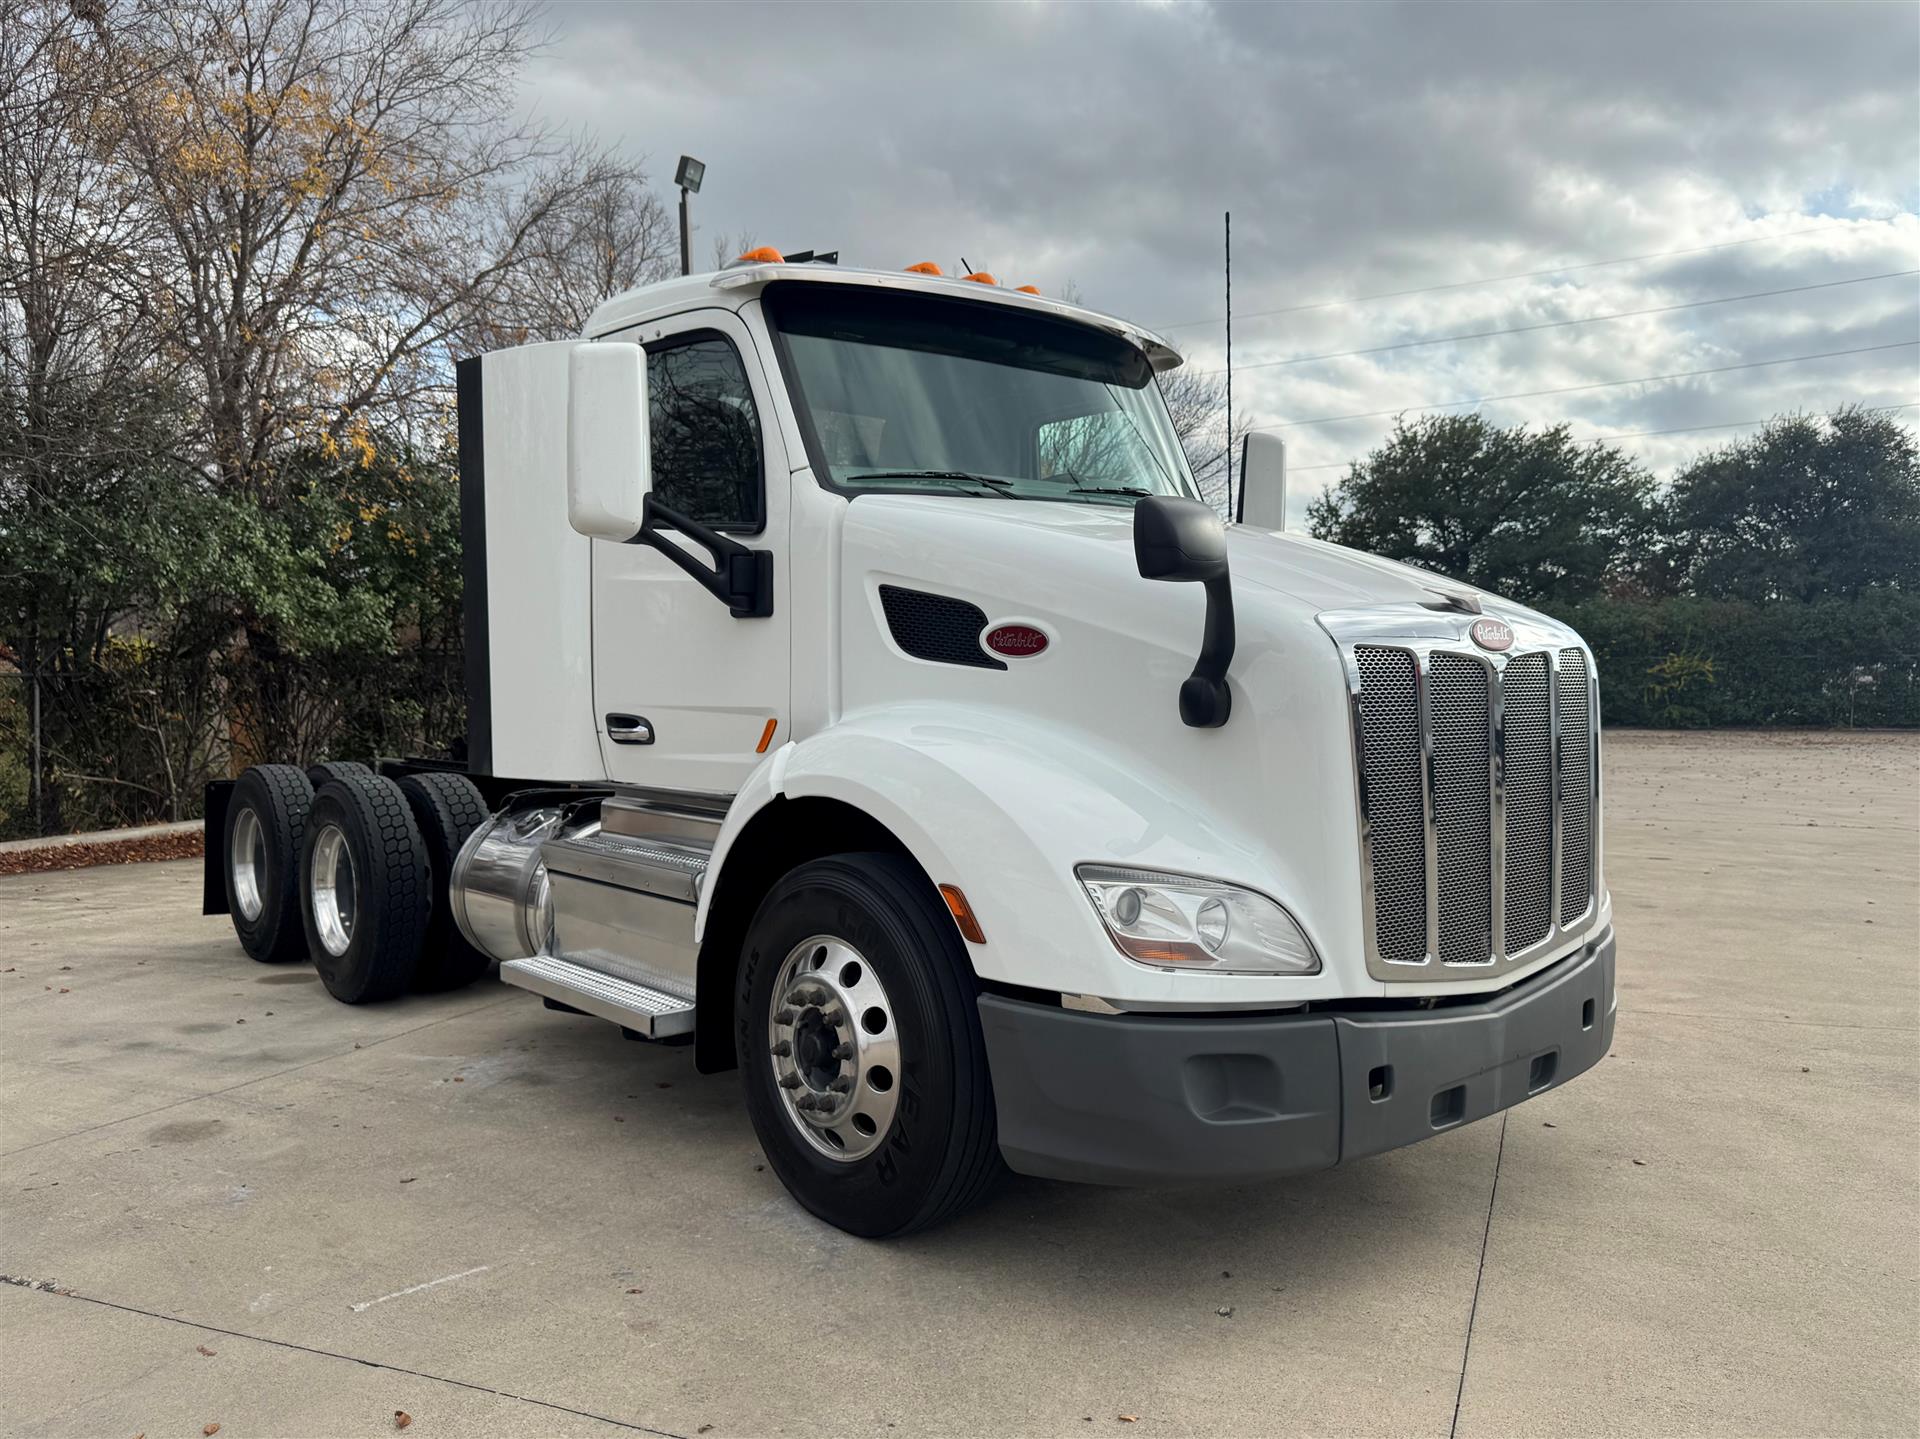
(401, 1419)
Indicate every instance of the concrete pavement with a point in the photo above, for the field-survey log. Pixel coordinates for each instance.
(500, 1219)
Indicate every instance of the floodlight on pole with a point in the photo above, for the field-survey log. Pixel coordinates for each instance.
(687, 175)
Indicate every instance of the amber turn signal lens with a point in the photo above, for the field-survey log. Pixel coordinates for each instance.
(962, 913)
(766, 736)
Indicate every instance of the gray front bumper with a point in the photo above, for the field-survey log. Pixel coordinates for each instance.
(1156, 1099)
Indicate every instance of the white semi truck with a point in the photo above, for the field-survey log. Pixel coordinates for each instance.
(828, 711)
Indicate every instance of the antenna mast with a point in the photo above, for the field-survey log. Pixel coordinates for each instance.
(1232, 508)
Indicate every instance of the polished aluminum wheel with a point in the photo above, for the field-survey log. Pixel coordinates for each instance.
(248, 863)
(836, 1050)
(330, 886)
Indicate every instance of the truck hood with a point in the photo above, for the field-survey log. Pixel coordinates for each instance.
(1312, 573)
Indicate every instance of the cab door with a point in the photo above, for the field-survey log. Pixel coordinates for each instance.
(684, 690)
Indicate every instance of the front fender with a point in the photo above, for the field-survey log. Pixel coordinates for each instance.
(1005, 807)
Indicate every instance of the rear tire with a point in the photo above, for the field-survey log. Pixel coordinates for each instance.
(326, 769)
(365, 888)
(265, 833)
(448, 808)
(893, 947)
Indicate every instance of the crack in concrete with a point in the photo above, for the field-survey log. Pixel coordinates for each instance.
(1479, 1273)
(353, 1359)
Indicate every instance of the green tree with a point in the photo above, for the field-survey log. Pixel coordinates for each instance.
(1530, 514)
(1807, 509)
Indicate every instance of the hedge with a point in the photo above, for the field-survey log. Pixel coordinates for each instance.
(1692, 663)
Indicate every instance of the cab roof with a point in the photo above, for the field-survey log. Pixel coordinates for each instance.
(736, 285)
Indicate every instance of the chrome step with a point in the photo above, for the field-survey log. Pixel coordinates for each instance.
(641, 1008)
(694, 817)
(653, 864)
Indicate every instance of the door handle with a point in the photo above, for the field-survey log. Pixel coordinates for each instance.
(629, 729)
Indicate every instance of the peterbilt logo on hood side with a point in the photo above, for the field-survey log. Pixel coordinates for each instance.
(1016, 641)
(1491, 634)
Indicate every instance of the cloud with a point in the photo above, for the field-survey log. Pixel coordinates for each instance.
(1361, 149)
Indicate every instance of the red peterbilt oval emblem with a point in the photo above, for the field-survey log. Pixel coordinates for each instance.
(1016, 642)
(1492, 635)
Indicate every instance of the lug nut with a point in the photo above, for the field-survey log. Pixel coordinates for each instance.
(785, 1016)
(841, 1086)
(843, 1050)
(782, 1049)
(789, 1081)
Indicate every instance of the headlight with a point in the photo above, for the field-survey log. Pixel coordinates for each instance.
(1175, 920)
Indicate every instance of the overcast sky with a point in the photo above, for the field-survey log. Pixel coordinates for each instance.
(1362, 149)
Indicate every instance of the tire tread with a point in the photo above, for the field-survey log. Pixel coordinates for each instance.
(448, 808)
(288, 795)
(396, 886)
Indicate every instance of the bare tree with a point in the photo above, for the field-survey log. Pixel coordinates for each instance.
(729, 246)
(602, 233)
(82, 383)
(343, 195)
(1197, 404)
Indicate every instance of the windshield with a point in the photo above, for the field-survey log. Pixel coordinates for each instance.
(913, 392)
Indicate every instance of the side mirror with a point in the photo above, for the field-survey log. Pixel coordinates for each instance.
(1178, 539)
(1263, 481)
(1181, 539)
(607, 454)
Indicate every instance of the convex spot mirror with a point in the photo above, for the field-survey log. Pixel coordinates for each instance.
(607, 454)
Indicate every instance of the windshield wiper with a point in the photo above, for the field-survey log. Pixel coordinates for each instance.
(992, 482)
(1110, 490)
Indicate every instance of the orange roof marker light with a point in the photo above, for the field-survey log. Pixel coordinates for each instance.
(981, 277)
(1029, 290)
(765, 255)
(925, 267)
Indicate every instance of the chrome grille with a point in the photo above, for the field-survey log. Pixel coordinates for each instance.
(1390, 730)
(1476, 781)
(1462, 806)
(1528, 718)
(1576, 786)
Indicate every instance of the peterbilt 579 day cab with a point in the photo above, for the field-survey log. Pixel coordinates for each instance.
(860, 693)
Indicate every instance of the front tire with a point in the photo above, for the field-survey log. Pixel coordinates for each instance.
(859, 1040)
(365, 888)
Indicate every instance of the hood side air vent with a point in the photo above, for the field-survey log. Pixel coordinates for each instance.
(938, 628)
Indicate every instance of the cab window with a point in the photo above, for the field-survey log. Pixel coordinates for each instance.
(705, 433)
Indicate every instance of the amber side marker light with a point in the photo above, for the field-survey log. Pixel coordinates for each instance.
(766, 736)
(962, 913)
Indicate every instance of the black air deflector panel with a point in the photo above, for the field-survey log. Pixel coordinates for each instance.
(937, 627)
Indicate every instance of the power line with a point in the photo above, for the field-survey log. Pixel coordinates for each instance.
(1596, 385)
(1644, 434)
(1564, 324)
(1523, 275)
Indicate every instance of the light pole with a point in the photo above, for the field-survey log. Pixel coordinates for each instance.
(688, 177)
